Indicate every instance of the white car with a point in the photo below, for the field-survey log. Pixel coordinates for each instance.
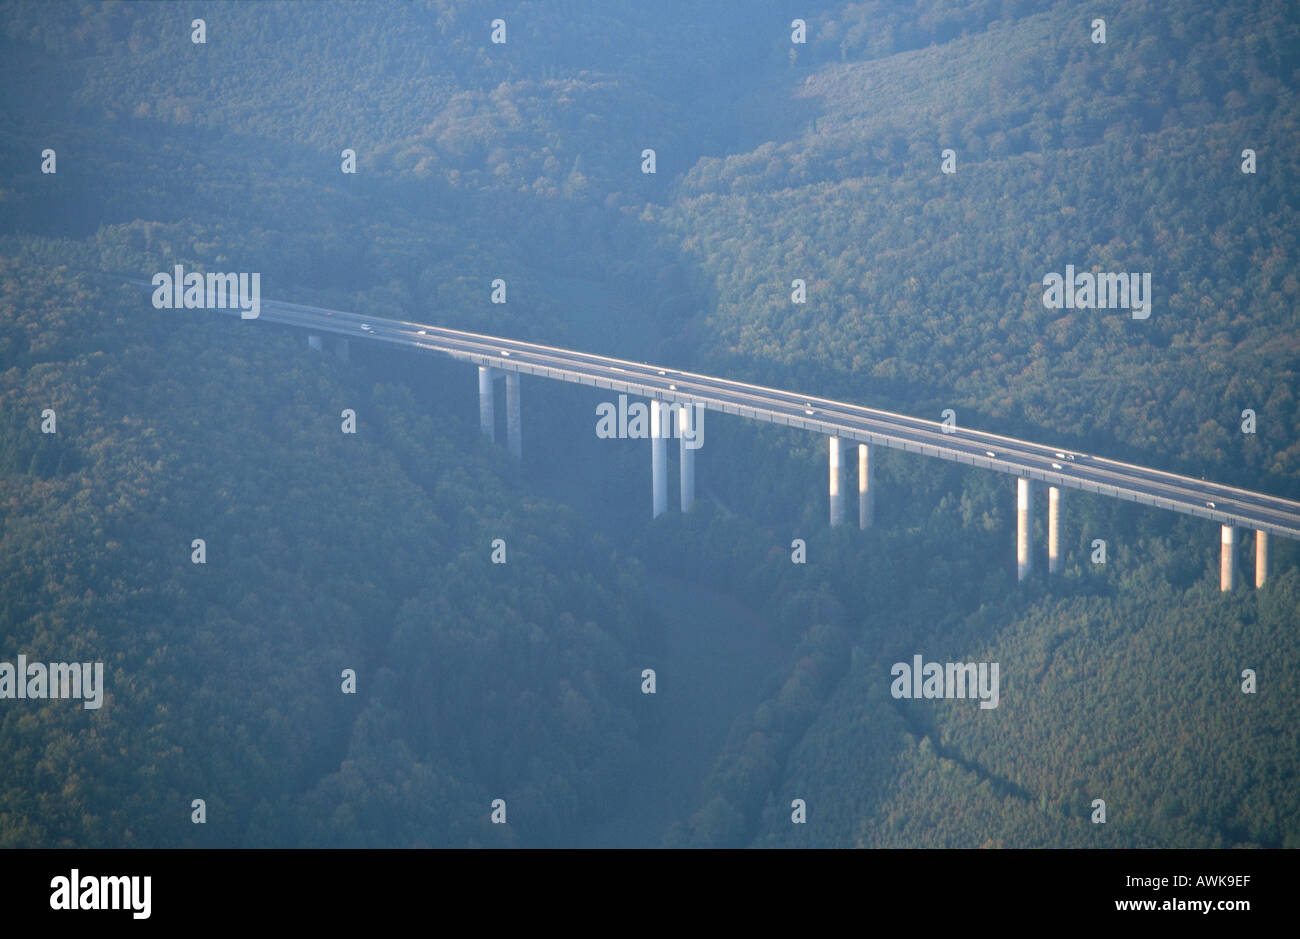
(1209, 505)
(989, 453)
(1056, 466)
(662, 372)
(672, 387)
(421, 332)
(1060, 455)
(505, 352)
(809, 411)
(367, 328)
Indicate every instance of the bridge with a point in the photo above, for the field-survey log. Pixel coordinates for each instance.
(671, 392)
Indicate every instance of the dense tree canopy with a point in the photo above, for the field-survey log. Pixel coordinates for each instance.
(522, 681)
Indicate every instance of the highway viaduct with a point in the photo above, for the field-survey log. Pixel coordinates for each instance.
(674, 395)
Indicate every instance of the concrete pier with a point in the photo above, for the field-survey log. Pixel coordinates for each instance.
(487, 420)
(866, 494)
(341, 348)
(658, 458)
(1261, 558)
(686, 428)
(315, 344)
(837, 474)
(1053, 529)
(514, 426)
(1024, 527)
(1228, 559)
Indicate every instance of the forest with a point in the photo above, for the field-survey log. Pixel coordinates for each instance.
(478, 681)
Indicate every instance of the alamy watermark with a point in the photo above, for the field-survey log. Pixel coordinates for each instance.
(37, 680)
(195, 291)
(1089, 291)
(90, 892)
(946, 680)
(636, 422)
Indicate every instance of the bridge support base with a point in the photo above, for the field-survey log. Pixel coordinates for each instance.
(1261, 558)
(1053, 529)
(1228, 559)
(658, 458)
(315, 344)
(486, 406)
(514, 425)
(1024, 527)
(341, 348)
(687, 431)
(866, 494)
(836, 474)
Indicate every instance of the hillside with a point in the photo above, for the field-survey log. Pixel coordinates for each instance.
(328, 551)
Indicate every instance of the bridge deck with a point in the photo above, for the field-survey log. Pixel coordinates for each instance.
(1213, 501)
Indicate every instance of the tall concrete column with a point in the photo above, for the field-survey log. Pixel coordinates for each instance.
(1024, 527)
(1053, 529)
(866, 494)
(487, 418)
(837, 474)
(686, 429)
(341, 348)
(1228, 559)
(1261, 558)
(658, 459)
(514, 427)
(315, 344)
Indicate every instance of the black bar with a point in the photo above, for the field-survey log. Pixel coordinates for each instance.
(656, 889)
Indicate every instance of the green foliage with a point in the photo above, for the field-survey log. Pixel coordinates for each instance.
(925, 290)
(479, 681)
(324, 552)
